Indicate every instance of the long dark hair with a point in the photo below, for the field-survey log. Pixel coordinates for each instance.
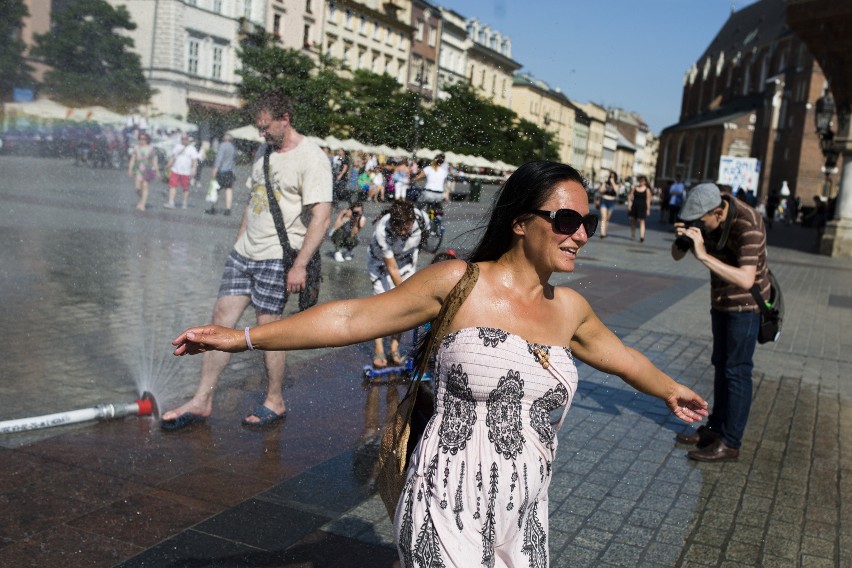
(526, 189)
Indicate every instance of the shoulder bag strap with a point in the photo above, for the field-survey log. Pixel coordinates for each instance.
(442, 321)
(274, 208)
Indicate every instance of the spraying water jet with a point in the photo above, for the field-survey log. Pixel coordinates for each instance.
(145, 406)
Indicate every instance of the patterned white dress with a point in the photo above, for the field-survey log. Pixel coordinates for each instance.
(476, 491)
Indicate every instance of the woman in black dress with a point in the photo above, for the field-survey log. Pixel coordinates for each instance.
(639, 207)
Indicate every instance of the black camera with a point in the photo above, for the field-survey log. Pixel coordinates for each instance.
(684, 243)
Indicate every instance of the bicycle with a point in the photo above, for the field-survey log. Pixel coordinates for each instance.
(435, 212)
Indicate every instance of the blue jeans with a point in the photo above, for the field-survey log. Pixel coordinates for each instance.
(734, 340)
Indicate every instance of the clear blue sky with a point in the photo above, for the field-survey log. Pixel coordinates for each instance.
(631, 54)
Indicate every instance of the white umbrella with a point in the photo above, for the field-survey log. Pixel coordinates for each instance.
(427, 153)
(42, 108)
(352, 145)
(166, 122)
(248, 132)
(318, 141)
(333, 143)
(99, 114)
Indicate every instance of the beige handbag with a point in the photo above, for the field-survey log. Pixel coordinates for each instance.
(400, 436)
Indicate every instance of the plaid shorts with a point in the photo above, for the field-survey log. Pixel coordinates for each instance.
(261, 280)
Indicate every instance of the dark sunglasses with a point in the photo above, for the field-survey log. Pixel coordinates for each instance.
(567, 221)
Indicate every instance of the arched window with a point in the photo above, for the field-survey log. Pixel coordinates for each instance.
(746, 78)
(696, 168)
(713, 154)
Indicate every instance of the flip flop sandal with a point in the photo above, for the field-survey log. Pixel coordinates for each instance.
(395, 358)
(265, 417)
(380, 361)
(182, 421)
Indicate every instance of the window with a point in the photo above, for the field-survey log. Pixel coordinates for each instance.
(347, 20)
(433, 36)
(308, 7)
(363, 27)
(332, 12)
(306, 36)
(247, 10)
(218, 53)
(418, 35)
(388, 35)
(217, 6)
(347, 53)
(361, 54)
(192, 56)
(374, 65)
(276, 25)
(377, 30)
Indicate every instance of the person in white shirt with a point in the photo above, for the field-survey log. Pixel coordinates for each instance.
(392, 259)
(183, 162)
(434, 191)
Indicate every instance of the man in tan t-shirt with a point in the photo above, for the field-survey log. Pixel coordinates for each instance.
(255, 272)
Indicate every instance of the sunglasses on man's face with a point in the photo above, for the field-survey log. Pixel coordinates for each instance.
(568, 221)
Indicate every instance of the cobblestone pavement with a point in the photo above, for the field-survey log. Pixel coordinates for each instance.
(94, 292)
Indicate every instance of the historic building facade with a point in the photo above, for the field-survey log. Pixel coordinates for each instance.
(490, 67)
(370, 35)
(750, 94)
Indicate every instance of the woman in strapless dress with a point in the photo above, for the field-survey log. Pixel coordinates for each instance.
(476, 489)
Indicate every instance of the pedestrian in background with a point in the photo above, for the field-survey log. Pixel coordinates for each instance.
(344, 232)
(732, 245)
(340, 170)
(183, 163)
(143, 167)
(255, 273)
(639, 207)
(401, 180)
(677, 193)
(435, 174)
(476, 492)
(606, 201)
(223, 172)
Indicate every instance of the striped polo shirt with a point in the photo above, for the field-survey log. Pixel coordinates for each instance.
(745, 246)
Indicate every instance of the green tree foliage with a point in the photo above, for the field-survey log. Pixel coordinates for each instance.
(14, 71)
(91, 61)
(376, 109)
(312, 88)
(469, 124)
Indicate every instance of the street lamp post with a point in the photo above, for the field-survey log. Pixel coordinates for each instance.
(823, 116)
(418, 119)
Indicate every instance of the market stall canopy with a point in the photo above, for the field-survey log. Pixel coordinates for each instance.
(248, 132)
(166, 122)
(427, 153)
(98, 114)
(41, 109)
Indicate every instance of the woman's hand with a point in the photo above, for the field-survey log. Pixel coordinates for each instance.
(197, 340)
(686, 405)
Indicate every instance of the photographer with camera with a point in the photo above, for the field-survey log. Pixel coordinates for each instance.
(728, 237)
(344, 232)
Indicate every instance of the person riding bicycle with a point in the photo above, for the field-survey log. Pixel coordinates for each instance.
(436, 173)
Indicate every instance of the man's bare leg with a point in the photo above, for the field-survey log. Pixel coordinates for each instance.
(226, 312)
(275, 362)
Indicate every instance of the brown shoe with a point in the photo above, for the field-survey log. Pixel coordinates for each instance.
(702, 437)
(715, 452)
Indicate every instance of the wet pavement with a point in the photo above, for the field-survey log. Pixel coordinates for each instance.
(93, 293)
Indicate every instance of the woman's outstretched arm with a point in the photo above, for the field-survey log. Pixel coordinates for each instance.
(333, 324)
